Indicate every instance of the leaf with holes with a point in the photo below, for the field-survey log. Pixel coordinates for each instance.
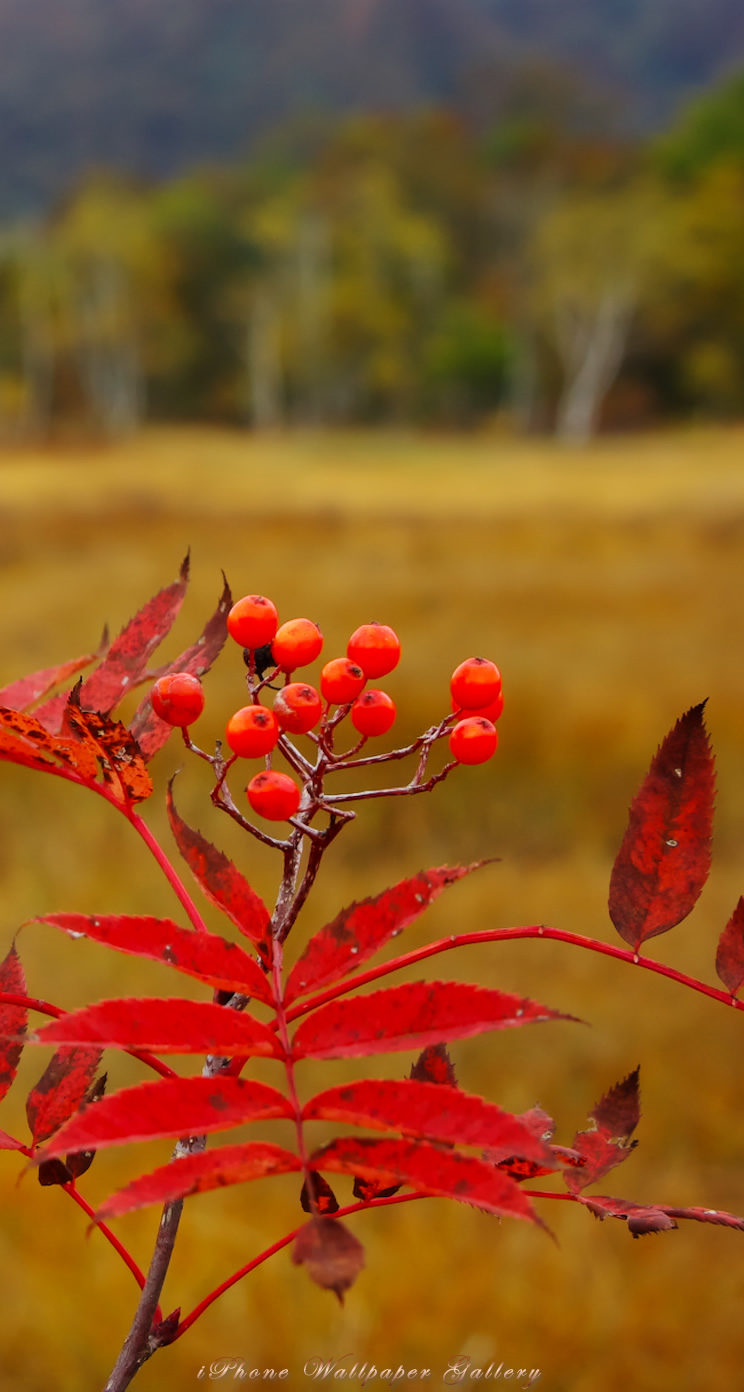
(24, 740)
(432, 1110)
(428, 1168)
(196, 1174)
(730, 953)
(664, 859)
(361, 929)
(13, 1019)
(169, 1107)
(411, 1016)
(150, 732)
(220, 881)
(111, 745)
(60, 1090)
(170, 1026)
(207, 956)
(615, 1118)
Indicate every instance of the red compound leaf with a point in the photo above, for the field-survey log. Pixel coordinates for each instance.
(664, 859)
(61, 1090)
(13, 1019)
(220, 881)
(150, 732)
(207, 956)
(429, 1168)
(128, 656)
(410, 1016)
(615, 1118)
(170, 1026)
(331, 1255)
(433, 1110)
(648, 1218)
(169, 1107)
(730, 954)
(358, 931)
(111, 745)
(195, 1174)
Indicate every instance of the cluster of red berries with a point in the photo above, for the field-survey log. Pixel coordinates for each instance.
(372, 651)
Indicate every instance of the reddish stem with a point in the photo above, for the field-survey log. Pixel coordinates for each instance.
(535, 930)
(168, 870)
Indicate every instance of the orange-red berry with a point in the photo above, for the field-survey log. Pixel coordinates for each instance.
(178, 698)
(373, 713)
(252, 621)
(473, 740)
(252, 731)
(298, 707)
(491, 712)
(341, 681)
(475, 683)
(297, 642)
(274, 796)
(375, 647)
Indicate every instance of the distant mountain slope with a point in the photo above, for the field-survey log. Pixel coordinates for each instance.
(154, 85)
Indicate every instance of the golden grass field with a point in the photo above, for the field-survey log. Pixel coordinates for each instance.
(607, 584)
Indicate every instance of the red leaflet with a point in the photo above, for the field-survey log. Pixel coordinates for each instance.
(110, 744)
(219, 879)
(194, 1174)
(616, 1116)
(60, 1090)
(24, 740)
(730, 954)
(332, 1256)
(148, 729)
(169, 1107)
(409, 1016)
(128, 655)
(434, 1065)
(207, 956)
(9, 1142)
(323, 1197)
(641, 1218)
(27, 690)
(428, 1168)
(664, 859)
(434, 1110)
(171, 1026)
(13, 1019)
(362, 928)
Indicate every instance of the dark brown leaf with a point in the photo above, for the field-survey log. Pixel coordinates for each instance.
(615, 1118)
(323, 1196)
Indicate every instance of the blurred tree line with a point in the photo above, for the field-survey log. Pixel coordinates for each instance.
(422, 268)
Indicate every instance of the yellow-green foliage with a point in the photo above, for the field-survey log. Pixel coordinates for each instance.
(607, 585)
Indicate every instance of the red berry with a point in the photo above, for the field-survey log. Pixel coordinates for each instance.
(373, 713)
(252, 731)
(375, 648)
(341, 681)
(274, 796)
(252, 621)
(298, 708)
(178, 698)
(473, 740)
(475, 683)
(490, 712)
(297, 642)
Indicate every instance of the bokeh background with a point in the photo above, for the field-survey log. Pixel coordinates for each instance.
(434, 314)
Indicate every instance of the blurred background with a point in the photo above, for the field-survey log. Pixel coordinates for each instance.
(430, 312)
